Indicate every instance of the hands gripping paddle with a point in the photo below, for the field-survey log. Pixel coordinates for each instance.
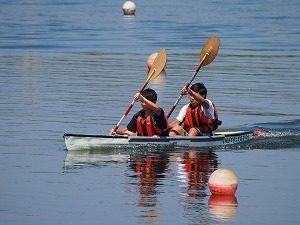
(158, 65)
(207, 55)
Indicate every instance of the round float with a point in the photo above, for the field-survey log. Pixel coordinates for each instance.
(223, 182)
(129, 8)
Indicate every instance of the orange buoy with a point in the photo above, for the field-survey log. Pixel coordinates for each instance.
(223, 182)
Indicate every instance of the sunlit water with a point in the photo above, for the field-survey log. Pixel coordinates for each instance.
(73, 66)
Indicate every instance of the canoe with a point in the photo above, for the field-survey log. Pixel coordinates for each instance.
(76, 142)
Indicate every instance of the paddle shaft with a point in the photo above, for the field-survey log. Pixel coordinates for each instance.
(187, 85)
(133, 101)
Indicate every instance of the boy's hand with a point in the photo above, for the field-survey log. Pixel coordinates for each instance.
(112, 132)
(184, 90)
(138, 97)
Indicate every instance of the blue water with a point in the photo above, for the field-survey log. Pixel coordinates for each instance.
(73, 66)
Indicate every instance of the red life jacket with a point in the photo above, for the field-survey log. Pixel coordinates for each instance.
(195, 117)
(146, 127)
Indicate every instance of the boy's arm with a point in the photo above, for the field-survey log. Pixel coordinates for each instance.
(154, 107)
(122, 132)
(179, 119)
(174, 123)
(198, 97)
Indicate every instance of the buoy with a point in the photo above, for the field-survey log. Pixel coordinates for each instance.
(223, 207)
(129, 8)
(260, 132)
(223, 182)
(151, 59)
(161, 77)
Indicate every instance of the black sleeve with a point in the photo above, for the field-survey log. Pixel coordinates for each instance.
(132, 124)
(160, 120)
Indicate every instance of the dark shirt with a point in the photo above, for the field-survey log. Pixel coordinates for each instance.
(159, 120)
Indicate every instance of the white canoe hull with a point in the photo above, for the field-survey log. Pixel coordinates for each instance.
(75, 142)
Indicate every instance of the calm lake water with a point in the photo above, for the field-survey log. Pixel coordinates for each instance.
(74, 65)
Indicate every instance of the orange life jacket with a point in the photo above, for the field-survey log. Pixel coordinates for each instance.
(195, 117)
(147, 127)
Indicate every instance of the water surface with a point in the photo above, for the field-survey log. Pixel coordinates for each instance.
(74, 65)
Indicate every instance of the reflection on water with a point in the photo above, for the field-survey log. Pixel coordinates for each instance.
(195, 168)
(152, 174)
(149, 169)
(223, 207)
(74, 66)
(96, 158)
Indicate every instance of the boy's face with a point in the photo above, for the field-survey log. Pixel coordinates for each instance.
(144, 105)
(194, 102)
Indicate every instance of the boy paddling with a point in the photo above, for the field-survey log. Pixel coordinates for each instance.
(150, 121)
(199, 117)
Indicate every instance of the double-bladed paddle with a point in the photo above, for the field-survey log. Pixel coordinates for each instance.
(158, 65)
(207, 55)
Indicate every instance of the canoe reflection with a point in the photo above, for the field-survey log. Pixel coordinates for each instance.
(185, 174)
(79, 158)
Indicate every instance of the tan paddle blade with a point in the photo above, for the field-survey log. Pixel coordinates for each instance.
(209, 51)
(158, 65)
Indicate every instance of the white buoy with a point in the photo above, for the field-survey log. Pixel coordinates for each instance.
(223, 182)
(129, 8)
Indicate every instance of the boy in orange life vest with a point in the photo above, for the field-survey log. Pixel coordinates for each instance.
(150, 121)
(197, 117)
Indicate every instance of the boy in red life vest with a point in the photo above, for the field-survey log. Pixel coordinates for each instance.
(150, 121)
(199, 117)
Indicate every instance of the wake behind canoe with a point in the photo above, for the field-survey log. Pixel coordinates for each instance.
(76, 142)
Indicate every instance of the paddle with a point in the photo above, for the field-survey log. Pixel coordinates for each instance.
(158, 65)
(207, 55)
